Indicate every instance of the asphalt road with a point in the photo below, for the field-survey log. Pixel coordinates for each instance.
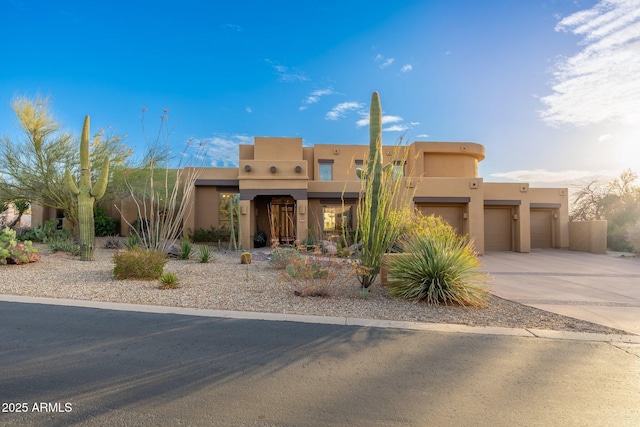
(93, 367)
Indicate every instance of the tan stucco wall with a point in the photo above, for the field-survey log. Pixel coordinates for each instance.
(270, 148)
(588, 236)
(445, 159)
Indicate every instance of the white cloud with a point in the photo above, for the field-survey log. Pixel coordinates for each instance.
(603, 138)
(602, 82)
(385, 120)
(382, 61)
(422, 135)
(286, 74)
(557, 178)
(341, 109)
(391, 119)
(315, 96)
(222, 150)
(249, 110)
(396, 128)
(405, 68)
(232, 27)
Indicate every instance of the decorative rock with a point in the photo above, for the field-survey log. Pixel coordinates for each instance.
(331, 249)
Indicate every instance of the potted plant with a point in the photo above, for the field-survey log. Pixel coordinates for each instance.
(260, 239)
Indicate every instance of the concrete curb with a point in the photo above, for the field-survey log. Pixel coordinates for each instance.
(347, 321)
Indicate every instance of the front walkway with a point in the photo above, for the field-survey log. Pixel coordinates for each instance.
(603, 289)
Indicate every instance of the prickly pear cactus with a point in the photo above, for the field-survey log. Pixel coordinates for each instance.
(87, 194)
(14, 252)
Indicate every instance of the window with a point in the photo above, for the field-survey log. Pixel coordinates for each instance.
(335, 219)
(228, 201)
(359, 165)
(398, 170)
(325, 170)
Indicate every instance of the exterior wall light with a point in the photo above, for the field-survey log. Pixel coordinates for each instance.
(247, 168)
(298, 169)
(273, 169)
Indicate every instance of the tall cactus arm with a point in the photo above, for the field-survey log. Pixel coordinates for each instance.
(100, 186)
(71, 183)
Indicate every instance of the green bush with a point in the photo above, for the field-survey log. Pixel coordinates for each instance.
(138, 263)
(103, 224)
(212, 234)
(282, 257)
(438, 268)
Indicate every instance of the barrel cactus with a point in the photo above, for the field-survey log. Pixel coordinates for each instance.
(245, 258)
(86, 195)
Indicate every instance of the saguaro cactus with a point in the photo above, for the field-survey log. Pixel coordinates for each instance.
(87, 194)
(374, 167)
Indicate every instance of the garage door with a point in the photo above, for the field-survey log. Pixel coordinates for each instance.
(452, 214)
(497, 229)
(541, 228)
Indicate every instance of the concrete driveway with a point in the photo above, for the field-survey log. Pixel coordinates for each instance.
(603, 289)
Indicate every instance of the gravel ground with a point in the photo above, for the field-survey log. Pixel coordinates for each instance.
(225, 284)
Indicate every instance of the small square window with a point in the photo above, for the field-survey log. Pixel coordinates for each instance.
(359, 165)
(326, 171)
(398, 170)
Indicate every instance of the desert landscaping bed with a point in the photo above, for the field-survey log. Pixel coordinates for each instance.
(225, 284)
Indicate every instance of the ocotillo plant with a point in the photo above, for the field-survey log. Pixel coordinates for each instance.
(87, 194)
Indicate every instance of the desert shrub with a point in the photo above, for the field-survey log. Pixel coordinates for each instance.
(169, 280)
(212, 234)
(59, 244)
(439, 268)
(14, 252)
(138, 263)
(186, 249)
(112, 242)
(246, 258)
(315, 277)
(282, 257)
(204, 254)
(45, 232)
(103, 224)
(633, 237)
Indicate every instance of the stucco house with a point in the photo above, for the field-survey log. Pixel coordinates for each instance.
(304, 188)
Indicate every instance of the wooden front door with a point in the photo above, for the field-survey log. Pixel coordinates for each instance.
(283, 219)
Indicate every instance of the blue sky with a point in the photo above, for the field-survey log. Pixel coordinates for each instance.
(551, 88)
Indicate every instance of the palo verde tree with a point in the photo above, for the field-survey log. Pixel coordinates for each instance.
(32, 167)
(86, 194)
